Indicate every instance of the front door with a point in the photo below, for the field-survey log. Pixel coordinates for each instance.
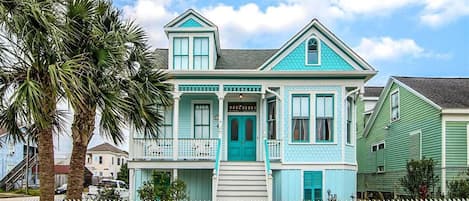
(241, 138)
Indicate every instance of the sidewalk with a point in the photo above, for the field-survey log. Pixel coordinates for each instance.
(31, 198)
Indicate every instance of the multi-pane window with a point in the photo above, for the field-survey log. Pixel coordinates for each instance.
(349, 120)
(181, 53)
(166, 131)
(395, 106)
(271, 119)
(324, 118)
(414, 145)
(300, 118)
(313, 51)
(202, 120)
(201, 53)
(100, 160)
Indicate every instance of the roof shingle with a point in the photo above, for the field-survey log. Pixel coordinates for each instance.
(445, 92)
(107, 147)
(373, 91)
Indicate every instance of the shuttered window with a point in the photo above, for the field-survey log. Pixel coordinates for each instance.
(312, 185)
(414, 145)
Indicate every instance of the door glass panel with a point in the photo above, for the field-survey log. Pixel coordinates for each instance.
(234, 130)
(248, 129)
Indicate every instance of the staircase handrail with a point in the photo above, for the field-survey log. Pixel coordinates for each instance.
(216, 170)
(18, 169)
(268, 170)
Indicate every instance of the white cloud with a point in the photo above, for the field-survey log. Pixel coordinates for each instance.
(371, 7)
(389, 49)
(439, 12)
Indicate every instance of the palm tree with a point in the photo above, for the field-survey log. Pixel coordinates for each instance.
(123, 86)
(35, 76)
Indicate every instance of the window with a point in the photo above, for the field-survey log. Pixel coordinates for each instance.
(312, 51)
(202, 120)
(380, 168)
(312, 185)
(118, 161)
(89, 160)
(166, 131)
(300, 118)
(324, 118)
(414, 145)
(271, 119)
(181, 53)
(377, 147)
(100, 160)
(112, 160)
(201, 53)
(395, 106)
(349, 120)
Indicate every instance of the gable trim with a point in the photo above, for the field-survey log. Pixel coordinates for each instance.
(330, 36)
(383, 97)
(199, 18)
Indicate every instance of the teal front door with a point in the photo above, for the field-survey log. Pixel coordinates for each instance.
(241, 138)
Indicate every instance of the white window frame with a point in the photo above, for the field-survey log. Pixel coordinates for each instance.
(200, 55)
(319, 50)
(352, 121)
(191, 36)
(398, 105)
(377, 146)
(211, 133)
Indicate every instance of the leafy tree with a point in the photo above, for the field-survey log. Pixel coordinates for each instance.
(124, 87)
(35, 75)
(420, 180)
(160, 187)
(459, 188)
(123, 173)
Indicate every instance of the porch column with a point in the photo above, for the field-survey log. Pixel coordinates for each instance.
(176, 97)
(220, 115)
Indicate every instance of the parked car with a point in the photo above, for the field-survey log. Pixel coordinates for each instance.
(61, 189)
(118, 185)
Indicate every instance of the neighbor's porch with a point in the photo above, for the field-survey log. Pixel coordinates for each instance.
(230, 120)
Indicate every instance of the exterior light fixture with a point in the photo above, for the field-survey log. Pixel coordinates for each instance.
(240, 96)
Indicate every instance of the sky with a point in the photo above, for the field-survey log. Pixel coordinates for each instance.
(397, 37)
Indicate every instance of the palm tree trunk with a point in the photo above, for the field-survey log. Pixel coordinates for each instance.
(82, 131)
(46, 164)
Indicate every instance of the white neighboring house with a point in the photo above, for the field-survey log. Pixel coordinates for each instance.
(105, 160)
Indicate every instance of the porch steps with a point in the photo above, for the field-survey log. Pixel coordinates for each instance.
(241, 181)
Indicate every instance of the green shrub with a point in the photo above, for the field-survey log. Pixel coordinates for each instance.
(160, 187)
(459, 188)
(109, 194)
(32, 192)
(420, 180)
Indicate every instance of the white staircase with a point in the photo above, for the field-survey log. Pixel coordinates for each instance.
(242, 181)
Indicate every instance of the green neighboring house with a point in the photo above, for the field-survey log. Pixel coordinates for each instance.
(414, 118)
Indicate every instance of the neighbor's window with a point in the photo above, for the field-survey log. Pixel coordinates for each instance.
(300, 118)
(166, 131)
(100, 160)
(395, 106)
(349, 119)
(181, 53)
(202, 120)
(324, 117)
(312, 53)
(201, 53)
(271, 119)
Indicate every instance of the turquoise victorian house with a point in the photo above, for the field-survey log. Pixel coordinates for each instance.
(256, 124)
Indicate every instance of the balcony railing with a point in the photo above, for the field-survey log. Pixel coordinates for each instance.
(164, 149)
(274, 149)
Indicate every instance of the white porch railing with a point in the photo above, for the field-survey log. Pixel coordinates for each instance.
(274, 149)
(163, 149)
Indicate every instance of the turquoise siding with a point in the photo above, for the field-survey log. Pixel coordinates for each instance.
(456, 148)
(186, 114)
(340, 182)
(330, 61)
(277, 185)
(141, 176)
(291, 185)
(8, 161)
(190, 23)
(350, 154)
(308, 152)
(199, 183)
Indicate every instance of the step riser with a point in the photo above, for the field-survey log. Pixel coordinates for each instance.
(241, 199)
(232, 167)
(240, 183)
(242, 193)
(242, 178)
(242, 172)
(241, 188)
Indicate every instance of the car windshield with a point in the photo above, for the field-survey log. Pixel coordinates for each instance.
(108, 184)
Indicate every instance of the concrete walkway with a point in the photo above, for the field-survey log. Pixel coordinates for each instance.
(35, 198)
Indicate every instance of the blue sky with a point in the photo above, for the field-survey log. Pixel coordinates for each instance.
(398, 37)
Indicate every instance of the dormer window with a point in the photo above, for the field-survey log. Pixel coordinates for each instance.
(181, 53)
(201, 53)
(312, 51)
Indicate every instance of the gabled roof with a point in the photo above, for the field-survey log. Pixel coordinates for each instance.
(441, 93)
(445, 92)
(327, 33)
(188, 13)
(229, 59)
(107, 147)
(373, 91)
